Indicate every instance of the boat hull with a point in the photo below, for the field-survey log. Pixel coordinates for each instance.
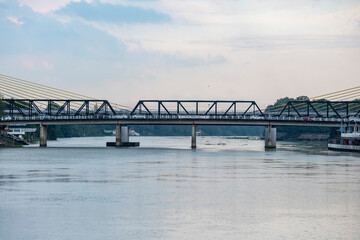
(342, 147)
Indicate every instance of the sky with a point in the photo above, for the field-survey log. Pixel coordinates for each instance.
(127, 50)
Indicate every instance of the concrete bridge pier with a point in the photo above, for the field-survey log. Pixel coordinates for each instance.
(270, 137)
(118, 135)
(122, 137)
(124, 134)
(43, 135)
(193, 136)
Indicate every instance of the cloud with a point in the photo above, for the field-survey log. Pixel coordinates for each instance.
(218, 59)
(294, 42)
(191, 61)
(41, 34)
(48, 65)
(15, 20)
(112, 13)
(44, 6)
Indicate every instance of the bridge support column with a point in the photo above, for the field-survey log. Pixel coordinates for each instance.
(193, 136)
(270, 137)
(118, 136)
(122, 138)
(43, 135)
(122, 135)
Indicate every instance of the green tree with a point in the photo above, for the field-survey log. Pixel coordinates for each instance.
(2, 105)
(2, 108)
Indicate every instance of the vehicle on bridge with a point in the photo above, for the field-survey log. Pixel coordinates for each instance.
(354, 119)
(307, 118)
(256, 117)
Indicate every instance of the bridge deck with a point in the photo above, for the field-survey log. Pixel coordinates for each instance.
(175, 120)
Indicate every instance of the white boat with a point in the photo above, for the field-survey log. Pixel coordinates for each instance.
(133, 133)
(349, 139)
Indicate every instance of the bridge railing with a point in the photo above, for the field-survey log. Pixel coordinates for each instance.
(165, 117)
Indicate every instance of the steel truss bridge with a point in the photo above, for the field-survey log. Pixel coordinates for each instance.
(25, 102)
(179, 112)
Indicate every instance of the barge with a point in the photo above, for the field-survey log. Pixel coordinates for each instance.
(349, 139)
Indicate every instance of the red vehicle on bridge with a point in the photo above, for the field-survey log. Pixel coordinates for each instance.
(307, 118)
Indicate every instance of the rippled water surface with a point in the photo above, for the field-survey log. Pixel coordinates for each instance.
(226, 189)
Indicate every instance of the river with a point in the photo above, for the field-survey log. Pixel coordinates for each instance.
(226, 189)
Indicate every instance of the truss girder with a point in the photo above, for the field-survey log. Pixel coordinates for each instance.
(318, 108)
(51, 107)
(161, 107)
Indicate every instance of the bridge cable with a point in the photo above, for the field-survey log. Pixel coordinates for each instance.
(314, 98)
(29, 95)
(57, 90)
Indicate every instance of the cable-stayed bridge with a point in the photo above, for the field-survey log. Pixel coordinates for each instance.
(26, 102)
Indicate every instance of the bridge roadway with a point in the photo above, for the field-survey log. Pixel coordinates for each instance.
(251, 120)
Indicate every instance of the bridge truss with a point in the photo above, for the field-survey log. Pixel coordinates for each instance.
(67, 109)
(196, 108)
(322, 109)
(56, 107)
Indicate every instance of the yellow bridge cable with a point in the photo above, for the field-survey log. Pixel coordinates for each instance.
(351, 98)
(21, 94)
(26, 93)
(49, 96)
(15, 101)
(335, 92)
(55, 89)
(31, 94)
(5, 101)
(348, 96)
(13, 93)
(16, 94)
(43, 86)
(345, 97)
(46, 88)
(15, 85)
(345, 91)
(37, 90)
(340, 97)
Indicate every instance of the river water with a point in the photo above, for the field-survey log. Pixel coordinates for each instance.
(226, 189)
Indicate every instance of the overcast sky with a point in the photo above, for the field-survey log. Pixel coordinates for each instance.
(126, 50)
